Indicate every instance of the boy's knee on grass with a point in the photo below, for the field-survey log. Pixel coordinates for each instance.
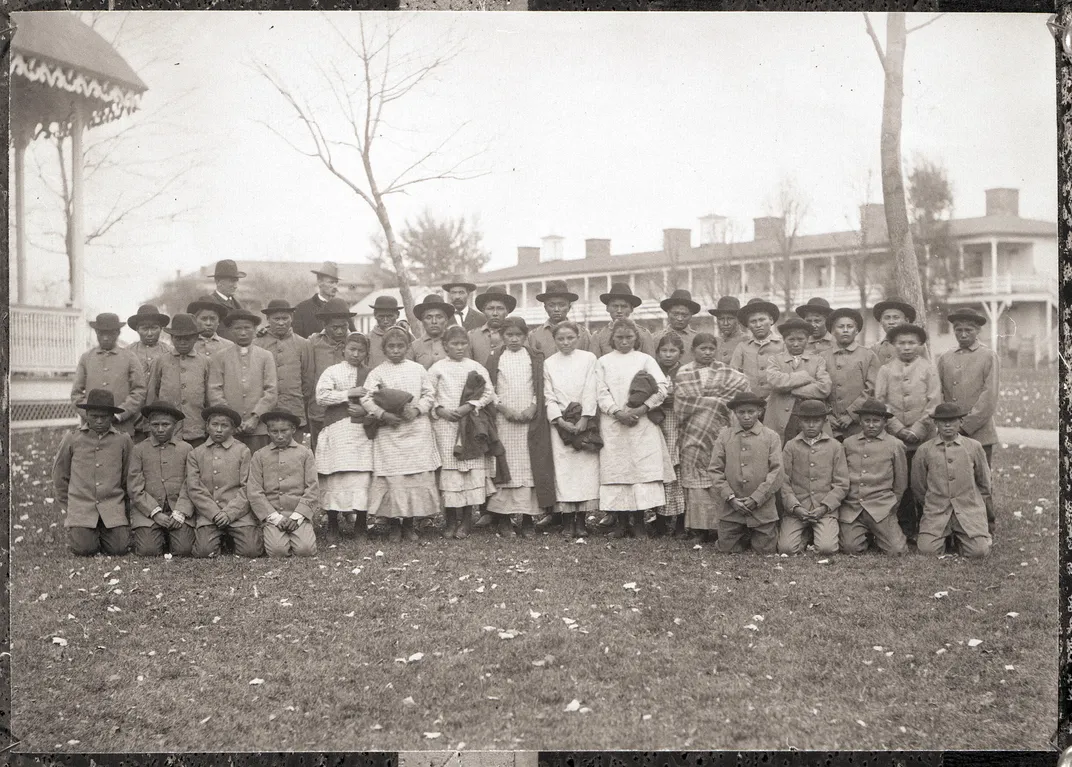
(149, 541)
(83, 541)
(181, 541)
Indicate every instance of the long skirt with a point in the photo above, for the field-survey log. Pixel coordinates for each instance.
(702, 508)
(576, 507)
(638, 497)
(514, 500)
(675, 499)
(345, 490)
(404, 496)
(465, 488)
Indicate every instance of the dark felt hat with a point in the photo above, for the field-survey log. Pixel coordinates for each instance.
(106, 321)
(227, 268)
(816, 304)
(182, 324)
(967, 314)
(212, 410)
(496, 293)
(873, 407)
(907, 327)
(947, 411)
(680, 297)
(746, 398)
(894, 303)
(845, 311)
(433, 301)
(100, 399)
(241, 314)
(160, 406)
(329, 269)
(556, 289)
(621, 290)
(385, 302)
(276, 414)
(277, 305)
(727, 305)
(458, 282)
(755, 305)
(334, 308)
(205, 303)
(147, 313)
(811, 408)
(794, 323)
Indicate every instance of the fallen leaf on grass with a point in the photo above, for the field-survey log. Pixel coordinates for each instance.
(376, 727)
(1012, 615)
(940, 594)
(974, 642)
(216, 619)
(573, 705)
(415, 657)
(490, 628)
(60, 641)
(205, 719)
(408, 701)
(349, 614)
(1010, 668)
(258, 680)
(752, 626)
(379, 554)
(432, 735)
(356, 571)
(508, 634)
(678, 621)
(631, 586)
(939, 651)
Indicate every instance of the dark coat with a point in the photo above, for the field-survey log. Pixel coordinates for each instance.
(539, 436)
(333, 413)
(392, 401)
(223, 331)
(306, 323)
(640, 388)
(477, 434)
(474, 318)
(590, 439)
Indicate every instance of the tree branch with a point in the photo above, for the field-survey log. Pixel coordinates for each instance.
(924, 24)
(875, 40)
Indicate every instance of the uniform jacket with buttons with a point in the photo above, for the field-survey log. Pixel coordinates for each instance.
(789, 385)
(157, 474)
(245, 383)
(752, 357)
(853, 370)
(912, 392)
(952, 479)
(969, 379)
(283, 480)
(428, 351)
(726, 346)
(89, 475)
(181, 380)
(211, 346)
(325, 354)
(118, 371)
(747, 463)
(820, 345)
(816, 475)
(216, 477)
(295, 384)
(878, 476)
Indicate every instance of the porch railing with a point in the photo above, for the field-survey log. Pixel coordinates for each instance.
(46, 340)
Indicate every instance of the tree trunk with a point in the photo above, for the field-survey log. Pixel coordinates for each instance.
(893, 192)
(396, 261)
(787, 277)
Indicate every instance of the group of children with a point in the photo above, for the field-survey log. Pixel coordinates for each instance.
(803, 436)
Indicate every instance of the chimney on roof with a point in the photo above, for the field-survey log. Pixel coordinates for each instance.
(527, 256)
(676, 242)
(1003, 202)
(873, 221)
(595, 248)
(713, 229)
(551, 250)
(769, 228)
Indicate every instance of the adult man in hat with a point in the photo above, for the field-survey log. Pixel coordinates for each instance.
(496, 304)
(295, 384)
(752, 356)
(730, 332)
(434, 314)
(207, 314)
(180, 377)
(458, 292)
(620, 303)
(386, 312)
(680, 309)
(242, 377)
(306, 321)
(106, 366)
(891, 313)
(326, 348)
(969, 377)
(226, 276)
(815, 313)
(147, 322)
(557, 300)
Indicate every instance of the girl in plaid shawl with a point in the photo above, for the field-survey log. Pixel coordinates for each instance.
(671, 516)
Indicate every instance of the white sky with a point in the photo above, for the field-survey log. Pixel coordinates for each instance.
(597, 125)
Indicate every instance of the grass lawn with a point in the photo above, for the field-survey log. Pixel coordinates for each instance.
(1027, 398)
(487, 642)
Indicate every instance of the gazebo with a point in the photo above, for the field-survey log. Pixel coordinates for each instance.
(65, 79)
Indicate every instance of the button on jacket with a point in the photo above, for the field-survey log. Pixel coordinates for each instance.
(747, 463)
(951, 478)
(970, 379)
(428, 351)
(157, 472)
(325, 354)
(182, 380)
(146, 354)
(90, 477)
(726, 346)
(821, 345)
(295, 384)
(853, 370)
(216, 477)
(116, 370)
(788, 384)
(815, 474)
(912, 392)
(752, 357)
(211, 346)
(283, 480)
(600, 343)
(245, 383)
(878, 476)
(542, 339)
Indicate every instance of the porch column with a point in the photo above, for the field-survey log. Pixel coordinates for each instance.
(77, 200)
(666, 281)
(688, 272)
(800, 281)
(833, 278)
(587, 295)
(744, 278)
(524, 294)
(994, 310)
(770, 279)
(993, 266)
(22, 140)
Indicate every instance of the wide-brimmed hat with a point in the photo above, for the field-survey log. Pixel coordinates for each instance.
(947, 411)
(182, 324)
(746, 398)
(160, 406)
(106, 321)
(277, 305)
(283, 414)
(457, 281)
(794, 323)
(680, 297)
(907, 327)
(227, 268)
(727, 305)
(432, 301)
(336, 307)
(212, 410)
(329, 269)
(811, 408)
(205, 303)
(894, 303)
(621, 290)
(967, 314)
(816, 304)
(873, 407)
(556, 289)
(100, 399)
(147, 313)
(844, 311)
(755, 305)
(496, 293)
(385, 302)
(241, 314)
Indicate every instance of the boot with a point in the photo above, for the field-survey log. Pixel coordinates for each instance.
(361, 525)
(568, 522)
(526, 529)
(621, 528)
(333, 525)
(638, 526)
(609, 520)
(679, 527)
(548, 520)
(503, 526)
(580, 528)
(466, 526)
(409, 531)
(658, 530)
(452, 523)
(395, 535)
(486, 519)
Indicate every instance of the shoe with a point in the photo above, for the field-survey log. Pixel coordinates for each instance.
(525, 529)
(620, 529)
(486, 519)
(452, 523)
(609, 520)
(580, 530)
(658, 529)
(409, 531)
(395, 535)
(463, 530)
(361, 525)
(679, 527)
(548, 520)
(568, 522)
(503, 526)
(333, 526)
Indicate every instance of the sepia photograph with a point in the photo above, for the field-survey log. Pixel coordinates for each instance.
(475, 382)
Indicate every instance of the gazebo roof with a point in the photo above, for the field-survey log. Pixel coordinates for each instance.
(58, 61)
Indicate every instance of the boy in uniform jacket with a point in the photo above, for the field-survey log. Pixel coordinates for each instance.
(106, 366)
(793, 375)
(283, 491)
(160, 515)
(853, 370)
(243, 378)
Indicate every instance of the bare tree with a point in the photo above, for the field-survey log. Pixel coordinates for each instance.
(717, 279)
(791, 205)
(864, 271)
(386, 74)
(893, 190)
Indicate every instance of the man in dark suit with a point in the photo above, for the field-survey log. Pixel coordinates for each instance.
(226, 277)
(458, 293)
(306, 321)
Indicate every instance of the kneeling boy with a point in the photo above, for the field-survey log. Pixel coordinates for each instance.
(816, 482)
(216, 476)
(951, 479)
(283, 490)
(157, 479)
